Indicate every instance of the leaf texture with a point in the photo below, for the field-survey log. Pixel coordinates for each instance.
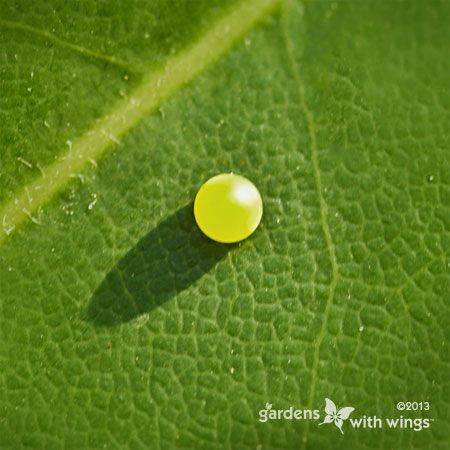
(121, 326)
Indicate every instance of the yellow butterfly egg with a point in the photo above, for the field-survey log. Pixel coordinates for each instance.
(228, 208)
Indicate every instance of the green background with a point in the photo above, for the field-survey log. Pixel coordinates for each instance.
(122, 327)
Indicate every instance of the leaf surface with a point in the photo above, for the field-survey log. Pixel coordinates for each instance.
(120, 326)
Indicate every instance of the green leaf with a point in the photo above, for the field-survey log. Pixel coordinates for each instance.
(121, 326)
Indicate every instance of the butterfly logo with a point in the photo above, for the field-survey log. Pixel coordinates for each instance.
(333, 415)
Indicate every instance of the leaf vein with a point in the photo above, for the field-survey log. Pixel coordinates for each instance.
(13, 25)
(323, 216)
(154, 89)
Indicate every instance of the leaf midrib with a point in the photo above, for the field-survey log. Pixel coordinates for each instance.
(156, 87)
